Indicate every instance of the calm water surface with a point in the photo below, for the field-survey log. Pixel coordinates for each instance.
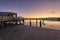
(48, 24)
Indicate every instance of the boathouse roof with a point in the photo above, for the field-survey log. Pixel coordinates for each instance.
(5, 13)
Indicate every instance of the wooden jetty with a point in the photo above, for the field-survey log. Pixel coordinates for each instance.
(30, 19)
(43, 19)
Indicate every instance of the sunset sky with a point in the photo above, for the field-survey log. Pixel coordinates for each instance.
(32, 8)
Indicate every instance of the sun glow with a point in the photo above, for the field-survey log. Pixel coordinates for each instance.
(41, 16)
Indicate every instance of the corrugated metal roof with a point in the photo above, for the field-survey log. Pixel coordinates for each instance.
(4, 13)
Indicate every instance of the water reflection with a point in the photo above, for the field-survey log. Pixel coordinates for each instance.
(47, 24)
(52, 24)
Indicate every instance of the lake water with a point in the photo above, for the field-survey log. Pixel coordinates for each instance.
(48, 24)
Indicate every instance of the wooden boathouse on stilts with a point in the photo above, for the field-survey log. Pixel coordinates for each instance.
(11, 18)
(6, 17)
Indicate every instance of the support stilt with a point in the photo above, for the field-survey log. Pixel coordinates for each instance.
(23, 22)
(30, 22)
(40, 23)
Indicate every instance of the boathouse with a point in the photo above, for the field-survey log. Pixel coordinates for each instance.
(7, 16)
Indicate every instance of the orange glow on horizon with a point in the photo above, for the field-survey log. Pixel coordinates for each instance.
(42, 15)
(39, 16)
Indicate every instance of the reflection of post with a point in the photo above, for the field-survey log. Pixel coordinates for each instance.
(30, 22)
(36, 22)
(43, 21)
(40, 23)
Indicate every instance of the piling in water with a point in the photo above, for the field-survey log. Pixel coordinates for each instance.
(40, 23)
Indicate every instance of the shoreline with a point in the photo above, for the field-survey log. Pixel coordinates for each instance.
(23, 32)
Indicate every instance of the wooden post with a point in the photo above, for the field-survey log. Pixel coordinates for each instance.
(30, 22)
(2, 22)
(23, 21)
(40, 23)
(36, 22)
